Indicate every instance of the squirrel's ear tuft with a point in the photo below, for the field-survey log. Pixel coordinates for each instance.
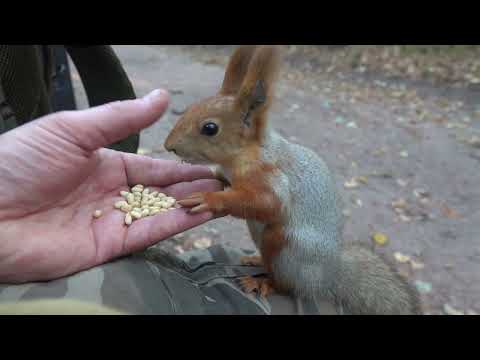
(237, 69)
(256, 91)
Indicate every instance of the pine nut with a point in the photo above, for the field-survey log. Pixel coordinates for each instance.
(126, 208)
(136, 215)
(140, 202)
(119, 204)
(130, 199)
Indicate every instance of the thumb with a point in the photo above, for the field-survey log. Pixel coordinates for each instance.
(103, 125)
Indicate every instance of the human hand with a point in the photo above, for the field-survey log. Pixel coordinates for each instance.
(54, 174)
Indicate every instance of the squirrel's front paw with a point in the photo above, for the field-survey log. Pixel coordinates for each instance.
(200, 202)
(196, 202)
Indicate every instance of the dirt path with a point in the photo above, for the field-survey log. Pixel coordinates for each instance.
(409, 144)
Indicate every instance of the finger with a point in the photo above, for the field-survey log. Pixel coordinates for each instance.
(149, 231)
(157, 172)
(103, 125)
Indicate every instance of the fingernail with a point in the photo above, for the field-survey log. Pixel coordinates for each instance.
(156, 95)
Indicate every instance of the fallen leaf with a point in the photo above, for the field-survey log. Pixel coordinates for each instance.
(405, 218)
(202, 243)
(294, 107)
(352, 184)
(417, 265)
(380, 239)
(449, 212)
(399, 204)
(402, 259)
(421, 193)
(424, 201)
(450, 310)
(384, 175)
(474, 141)
(379, 152)
(423, 287)
(440, 120)
(362, 179)
(404, 154)
(398, 94)
(456, 126)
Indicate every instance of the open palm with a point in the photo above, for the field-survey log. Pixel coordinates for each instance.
(54, 174)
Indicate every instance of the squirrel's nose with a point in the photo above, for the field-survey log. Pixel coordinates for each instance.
(168, 144)
(169, 147)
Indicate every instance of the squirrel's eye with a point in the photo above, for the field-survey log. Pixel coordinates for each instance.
(210, 129)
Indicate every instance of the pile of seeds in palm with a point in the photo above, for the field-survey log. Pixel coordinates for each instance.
(140, 202)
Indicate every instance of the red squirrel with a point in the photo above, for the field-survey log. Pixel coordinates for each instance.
(285, 192)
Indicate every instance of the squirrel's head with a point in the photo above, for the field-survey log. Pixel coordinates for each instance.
(218, 128)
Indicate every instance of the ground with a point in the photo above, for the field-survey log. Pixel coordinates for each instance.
(405, 152)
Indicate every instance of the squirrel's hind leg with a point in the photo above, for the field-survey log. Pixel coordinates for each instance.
(263, 285)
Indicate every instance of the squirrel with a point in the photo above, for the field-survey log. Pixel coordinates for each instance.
(286, 194)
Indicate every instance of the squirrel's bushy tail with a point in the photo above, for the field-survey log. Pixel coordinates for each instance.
(369, 285)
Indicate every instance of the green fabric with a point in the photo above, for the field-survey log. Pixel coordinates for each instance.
(22, 78)
(203, 282)
(104, 80)
(26, 73)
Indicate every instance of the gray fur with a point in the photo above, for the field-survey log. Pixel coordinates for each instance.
(378, 290)
(310, 214)
(314, 264)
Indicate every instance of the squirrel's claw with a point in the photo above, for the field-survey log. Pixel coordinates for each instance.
(195, 201)
(200, 208)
